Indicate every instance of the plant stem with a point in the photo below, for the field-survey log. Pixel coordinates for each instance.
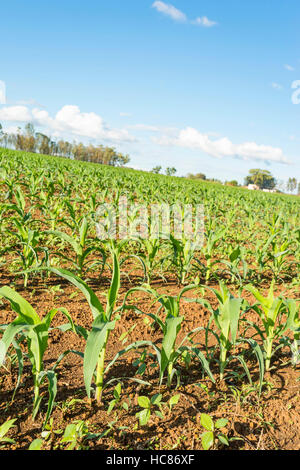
(269, 344)
(223, 354)
(170, 368)
(100, 372)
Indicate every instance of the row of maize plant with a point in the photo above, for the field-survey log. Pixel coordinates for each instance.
(48, 231)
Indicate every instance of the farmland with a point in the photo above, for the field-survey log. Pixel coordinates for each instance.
(145, 343)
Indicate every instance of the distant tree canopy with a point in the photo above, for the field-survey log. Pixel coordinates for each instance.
(30, 141)
(197, 176)
(291, 185)
(170, 171)
(157, 169)
(262, 178)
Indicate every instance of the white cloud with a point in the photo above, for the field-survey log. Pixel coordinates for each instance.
(2, 92)
(15, 113)
(276, 86)
(193, 139)
(289, 68)
(170, 11)
(204, 21)
(69, 120)
(178, 15)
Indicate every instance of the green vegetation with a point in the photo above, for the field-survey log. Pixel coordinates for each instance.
(48, 210)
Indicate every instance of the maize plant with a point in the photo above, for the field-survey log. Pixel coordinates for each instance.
(36, 332)
(80, 246)
(169, 353)
(29, 240)
(182, 258)
(103, 324)
(276, 315)
(226, 317)
(212, 238)
(237, 260)
(293, 324)
(278, 256)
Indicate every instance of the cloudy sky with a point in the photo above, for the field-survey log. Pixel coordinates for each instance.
(206, 86)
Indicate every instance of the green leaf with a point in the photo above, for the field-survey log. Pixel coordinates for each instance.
(259, 355)
(65, 237)
(204, 363)
(234, 306)
(172, 326)
(156, 399)
(125, 406)
(144, 402)
(95, 342)
(174, 400)
(221, 423)
(223, 439)
(83, 231)
(144, 416)
(10, 332)
(207, 440)
(159, 414)
(114, 288)
(207, 422)
(111, 406)
(5, 427)
(117, 391)
(36, 444)
(52, 391)
(93, 301)
(23, 308)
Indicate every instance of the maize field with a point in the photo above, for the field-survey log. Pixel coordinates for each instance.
(145, 343)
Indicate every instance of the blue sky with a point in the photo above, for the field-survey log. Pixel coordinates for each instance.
(205, 86)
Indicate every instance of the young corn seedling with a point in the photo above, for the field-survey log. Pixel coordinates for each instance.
(226, 317)
(236, 260)
(169, 353)
(29, 241)
(20, 206)
(103, 324)
(212, 238)
(278, 256)
(36, 332)
(151, 248)
(271, 311)
(262, 254)
(183, 256)
(80, 246)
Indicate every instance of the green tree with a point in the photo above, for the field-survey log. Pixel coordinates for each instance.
(262, 178)
(156, 169)
(170, 171)
(197, 176)
(291, 185)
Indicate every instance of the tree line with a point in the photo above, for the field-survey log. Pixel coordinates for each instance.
(29, 140)
(263, 179)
